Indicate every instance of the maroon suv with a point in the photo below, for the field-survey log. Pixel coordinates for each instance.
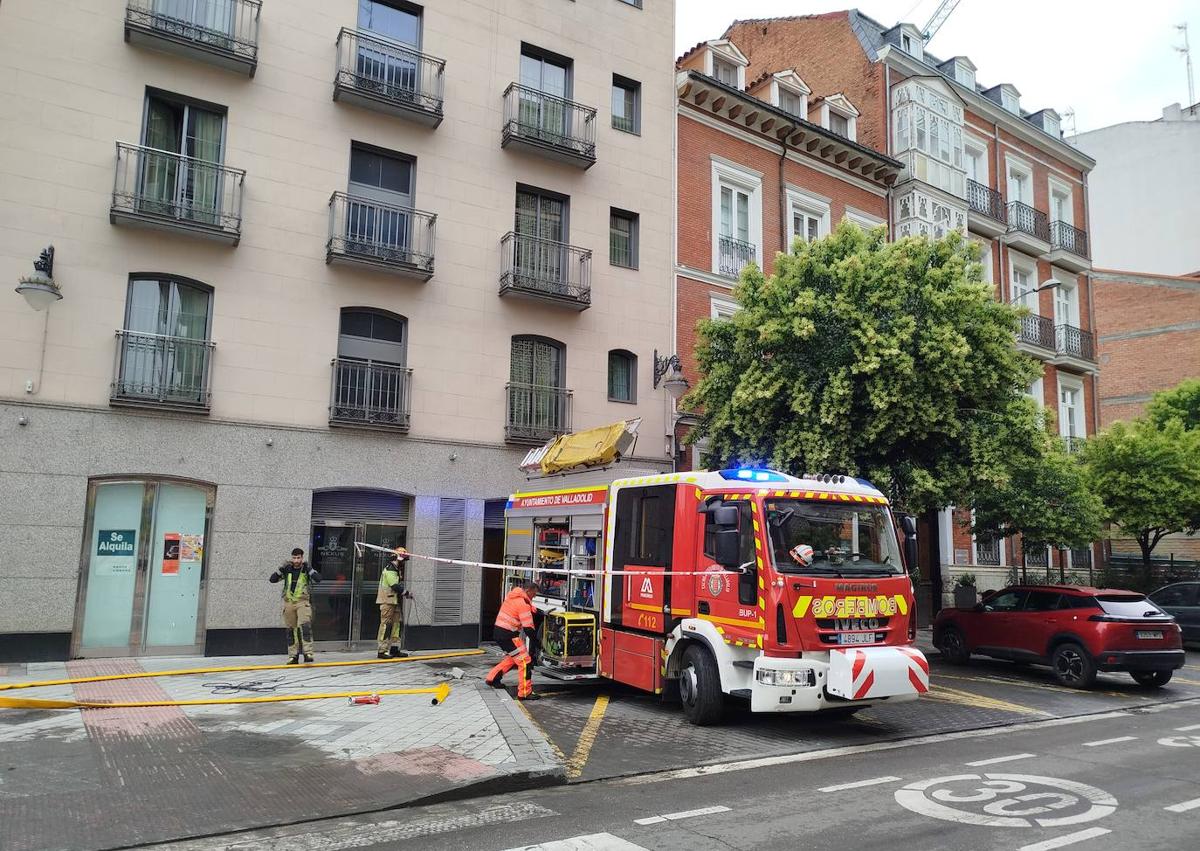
(1077, 631)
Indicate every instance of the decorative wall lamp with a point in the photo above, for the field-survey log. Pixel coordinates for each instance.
(669, 366)
(39, 289)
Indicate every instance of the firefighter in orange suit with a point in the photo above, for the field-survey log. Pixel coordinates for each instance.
(516, 613)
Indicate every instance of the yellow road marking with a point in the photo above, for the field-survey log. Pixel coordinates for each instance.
(557, 750)
(1025, 684)
(440, 693)
(966, 698)
(587, 738)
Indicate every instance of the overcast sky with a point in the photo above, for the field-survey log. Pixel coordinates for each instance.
(1109, 60)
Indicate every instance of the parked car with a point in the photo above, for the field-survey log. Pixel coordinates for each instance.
(1182, 602)
(1077, 631)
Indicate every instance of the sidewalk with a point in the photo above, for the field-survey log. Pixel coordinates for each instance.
(110, 778)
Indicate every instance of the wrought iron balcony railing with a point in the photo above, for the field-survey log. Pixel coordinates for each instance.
(223, 31)
(1069, 238)
(535, 413)
(733, 255)
(177, 192)
(556, 126)
(1037, 331)
(1026, 219)
(366, 393)
(987, 551)
(164, 371)
(384, 235)
(1074, 342)
(383, 74)
(985, 202)
(545, 269)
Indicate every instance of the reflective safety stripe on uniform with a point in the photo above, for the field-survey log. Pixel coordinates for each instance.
(517, 657)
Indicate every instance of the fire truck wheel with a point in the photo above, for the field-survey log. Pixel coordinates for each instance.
(700, 687)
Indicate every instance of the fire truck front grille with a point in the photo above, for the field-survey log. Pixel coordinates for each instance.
(851, 624)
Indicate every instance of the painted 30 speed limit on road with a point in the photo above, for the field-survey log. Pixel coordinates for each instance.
(1007, 800)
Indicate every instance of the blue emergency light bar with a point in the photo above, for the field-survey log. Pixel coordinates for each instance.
(750, 474)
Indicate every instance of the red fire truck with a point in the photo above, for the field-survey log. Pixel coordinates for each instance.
(790, 593)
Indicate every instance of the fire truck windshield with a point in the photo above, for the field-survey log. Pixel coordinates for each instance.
(832, 539)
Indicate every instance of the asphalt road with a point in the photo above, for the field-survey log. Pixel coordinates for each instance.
(1122, 779)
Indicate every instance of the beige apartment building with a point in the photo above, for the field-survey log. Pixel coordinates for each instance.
(322, 271)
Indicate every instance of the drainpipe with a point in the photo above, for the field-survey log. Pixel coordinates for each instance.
(1091, 296)
(1003, 252)
(783, 204)
(887, 143)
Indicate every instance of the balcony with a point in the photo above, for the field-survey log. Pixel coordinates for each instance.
(220, 32)
(534, 413)
(370, 395)
(383, 75)
(733, 255)
(170, 191)
(1073, 443)
(985, 210)
(1069, 247)
(547, 271)
(382, 236)
(549, 126)
(1036, 335)
(1075, 347)
(1028, 229)
(159, 371)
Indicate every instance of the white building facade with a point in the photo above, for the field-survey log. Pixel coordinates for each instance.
(327, 269)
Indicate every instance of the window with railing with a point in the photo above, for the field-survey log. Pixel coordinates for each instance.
(371, 385)
(1069, 238)
(378, 67)
(164, 355)
(537, 406)
(985, 201)
(1026, 219)
(987, 551)
(733, 255)
(1076, 343)
(225, 26)
(1037, 331)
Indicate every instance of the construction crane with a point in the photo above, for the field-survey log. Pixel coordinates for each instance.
(1186, 50)
(944, 9)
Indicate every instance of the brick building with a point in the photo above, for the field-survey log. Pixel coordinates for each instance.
(756, 168)
(1148, 337)
(973, 159)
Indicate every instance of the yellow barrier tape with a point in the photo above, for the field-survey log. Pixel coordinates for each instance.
(440, 693)
(183, 673)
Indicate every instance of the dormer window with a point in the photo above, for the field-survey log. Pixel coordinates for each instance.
(787, 91)
(1010, 101)
(840, 116)
(790, 102)
(906, 43)
(964, 74)
(726, 72)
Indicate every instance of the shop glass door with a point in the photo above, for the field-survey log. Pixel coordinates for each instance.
(142, 577)
(344, 608)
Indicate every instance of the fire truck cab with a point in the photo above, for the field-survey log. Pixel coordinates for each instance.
(790, 593)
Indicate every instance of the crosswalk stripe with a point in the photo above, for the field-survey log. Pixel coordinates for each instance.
(1115, 741)
(587, 842)
(705, 811)
(1184, 807)
(1068, 839)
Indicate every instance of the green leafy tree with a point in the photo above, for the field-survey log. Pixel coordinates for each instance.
(887, 360)
(1180, 403)
(1148, 477)
(1043, 496)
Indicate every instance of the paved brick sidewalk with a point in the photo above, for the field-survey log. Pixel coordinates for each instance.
(110, 778)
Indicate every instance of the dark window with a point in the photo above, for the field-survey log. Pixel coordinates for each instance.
(375, 170)
(623, 238)
(1182, 594)
(1042, 601)
(1076, 601)
(626, 104)
(645, 526)
(748, 581)
(372, 325)
(1006, 601)
(637, 4)
(622, 376)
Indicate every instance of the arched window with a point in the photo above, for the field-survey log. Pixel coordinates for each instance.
(165, 347)
(371, 382)
(538, 406)
(622, 376)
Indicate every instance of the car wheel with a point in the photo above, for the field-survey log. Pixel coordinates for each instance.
(1151, 679)
(700, 687)
(954, 646)
(1072, 666)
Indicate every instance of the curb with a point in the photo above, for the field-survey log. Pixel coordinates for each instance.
(516, 781)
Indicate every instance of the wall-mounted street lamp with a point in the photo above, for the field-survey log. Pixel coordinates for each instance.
(39, 289)
(670, 367)
(1049, 285)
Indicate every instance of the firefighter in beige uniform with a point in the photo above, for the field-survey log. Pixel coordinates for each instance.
(390, 598)
(296, 576)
